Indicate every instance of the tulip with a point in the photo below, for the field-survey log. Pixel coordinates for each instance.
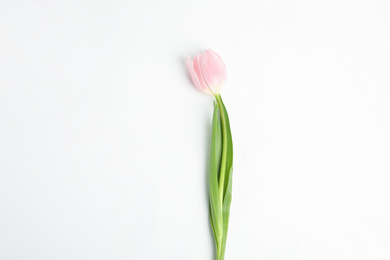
(208, 72)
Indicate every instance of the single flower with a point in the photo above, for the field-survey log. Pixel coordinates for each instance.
(208, 72)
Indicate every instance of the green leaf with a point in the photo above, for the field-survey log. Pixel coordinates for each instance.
(226, 171)
(226, 212)
(215, 161)
(229, 157)
(211, 221)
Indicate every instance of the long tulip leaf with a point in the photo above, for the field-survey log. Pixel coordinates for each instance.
(229, 156)
(215, 161)
(226, 173)
(226, 212)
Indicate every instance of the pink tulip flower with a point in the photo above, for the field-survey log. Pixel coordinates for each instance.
(208, 72)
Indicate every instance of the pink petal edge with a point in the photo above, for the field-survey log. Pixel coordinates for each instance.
(193, 74)
(204, 87)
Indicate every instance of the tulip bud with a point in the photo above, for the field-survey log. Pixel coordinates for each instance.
(208, 72)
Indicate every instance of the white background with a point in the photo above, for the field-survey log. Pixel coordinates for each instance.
(104, 139)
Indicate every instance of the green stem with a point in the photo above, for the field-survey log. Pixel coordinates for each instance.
(224, 150)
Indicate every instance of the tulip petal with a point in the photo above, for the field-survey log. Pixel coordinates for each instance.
(193, 74)
(213, 70)
(204, 87)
